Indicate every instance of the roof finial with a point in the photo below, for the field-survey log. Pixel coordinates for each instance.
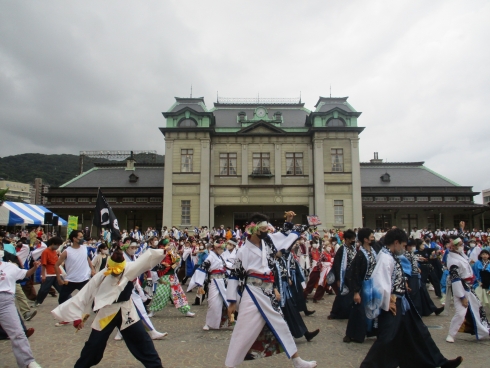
(299, 96)
(191, 90)
(330, 91)
(217, 99)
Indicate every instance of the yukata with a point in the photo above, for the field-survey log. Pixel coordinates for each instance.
(257, 303)
(362, 267)
(341, 268)
(110, 297)
(322, 264)
(402, 340)
(462, 280)
(213, 271)
(169, 287)
(482, 274)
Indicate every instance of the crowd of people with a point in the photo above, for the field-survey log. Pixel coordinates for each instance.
(257, 280)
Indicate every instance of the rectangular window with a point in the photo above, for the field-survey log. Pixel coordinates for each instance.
(82, 200)
(380, 199)
(367, 199)
(395, 199)
(338, 208)
(463, 198)
(436, 199)
(486, 199)
(186, 160)
(422, 199)
(155, 199)
(69, 200)
(409, 222)
(94, 199)
(128, 199)
(227, 164)
(383, 221)
(141, 200)
(337, 159)
(56, 200)
(408, 199)
(261, 163)
(186, 212)
(450, 199)
(294, 163)
(111, 199)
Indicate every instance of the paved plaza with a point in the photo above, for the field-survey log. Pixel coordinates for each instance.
(189, 346)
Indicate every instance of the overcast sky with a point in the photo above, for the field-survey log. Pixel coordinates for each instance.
(92, 75)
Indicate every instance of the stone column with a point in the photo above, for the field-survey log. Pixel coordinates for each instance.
(356, 184)
(277, 163)
(244, 164)
(320, 209)
(311, 199)
(167, 184)
(204, 189)
(211, 211)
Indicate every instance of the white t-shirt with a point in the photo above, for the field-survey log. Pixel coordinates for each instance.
(9, 274)
(76, 264)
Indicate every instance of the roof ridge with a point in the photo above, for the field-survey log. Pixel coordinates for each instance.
(78, 177)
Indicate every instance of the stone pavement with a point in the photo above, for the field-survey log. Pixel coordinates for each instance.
(189, 346)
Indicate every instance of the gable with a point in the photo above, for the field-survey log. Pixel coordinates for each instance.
(261, 128)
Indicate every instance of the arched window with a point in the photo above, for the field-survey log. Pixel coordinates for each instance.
(335, 122)
(187, 123)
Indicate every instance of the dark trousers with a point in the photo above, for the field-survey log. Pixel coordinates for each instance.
(403, 341)
(46, 287)
(135, 336)
(66, 290)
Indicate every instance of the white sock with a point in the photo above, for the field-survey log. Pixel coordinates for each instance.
(300, 363)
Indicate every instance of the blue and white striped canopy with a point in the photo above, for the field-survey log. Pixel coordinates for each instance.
(18, 214)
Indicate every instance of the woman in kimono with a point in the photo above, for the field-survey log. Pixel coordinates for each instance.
(283, 283)
(418, 290)
(341, 269)
(258, 300)
(462, 280)
(362, 268)
(109, 293)
(168, 285)
(482, 273)
(403, 339)
(213, 272)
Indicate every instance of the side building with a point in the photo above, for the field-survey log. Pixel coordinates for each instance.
(408, 195)
(134, 191)
(267, 155)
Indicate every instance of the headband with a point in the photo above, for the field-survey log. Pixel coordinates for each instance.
(456, 241)
(114, 267)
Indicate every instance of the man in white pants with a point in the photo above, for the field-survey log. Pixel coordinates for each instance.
(130, 246)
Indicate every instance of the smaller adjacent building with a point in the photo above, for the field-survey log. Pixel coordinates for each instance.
(134, 191)
(16, 191)
(408, 194)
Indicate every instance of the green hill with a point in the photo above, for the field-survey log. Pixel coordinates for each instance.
(53, 169)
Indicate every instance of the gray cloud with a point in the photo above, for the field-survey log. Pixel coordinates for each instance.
(97, 75)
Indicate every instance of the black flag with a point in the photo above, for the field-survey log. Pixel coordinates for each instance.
(104, 217)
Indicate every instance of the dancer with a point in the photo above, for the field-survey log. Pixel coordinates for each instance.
(9, 274)
(403, 339)
(258, 304)
(169, 285)
(341, 268)
(482, 273)
(322, 264)
(229, 254)
(213, 272)
(462, 279)
(362, 268)
(297, 281)
(282, 283)
(138, 296)
(109, 293)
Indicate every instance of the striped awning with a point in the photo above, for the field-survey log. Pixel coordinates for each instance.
(18, 214)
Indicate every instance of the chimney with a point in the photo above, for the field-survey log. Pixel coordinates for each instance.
(130, 162)
(376, 160)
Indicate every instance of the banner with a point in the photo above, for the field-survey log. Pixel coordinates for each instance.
(72, 224)
(104, 217)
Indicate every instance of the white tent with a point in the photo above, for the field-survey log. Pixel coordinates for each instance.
(19, 214)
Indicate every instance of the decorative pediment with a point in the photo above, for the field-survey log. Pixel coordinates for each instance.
(261, 127)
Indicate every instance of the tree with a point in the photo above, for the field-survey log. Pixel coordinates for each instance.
(3, 193)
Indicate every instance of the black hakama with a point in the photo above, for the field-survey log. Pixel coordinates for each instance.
(403, 341)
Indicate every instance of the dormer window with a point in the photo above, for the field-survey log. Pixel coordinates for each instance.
(242, 116)
(278, 116)
(187, 123)
(133, 178)
(385, 178)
